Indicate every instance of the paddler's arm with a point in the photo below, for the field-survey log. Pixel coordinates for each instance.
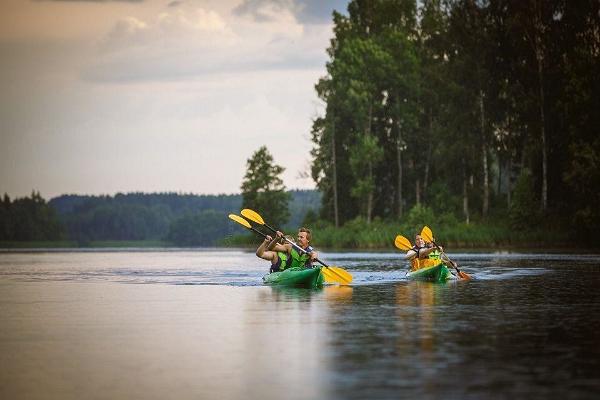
(423, 252)
(313, 256)
(276, 246)
(264, 246)
(411, 254)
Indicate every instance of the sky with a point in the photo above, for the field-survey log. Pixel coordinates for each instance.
(108, 96)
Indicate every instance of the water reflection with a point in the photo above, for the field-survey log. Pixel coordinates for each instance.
(525, 328)
(416, 300)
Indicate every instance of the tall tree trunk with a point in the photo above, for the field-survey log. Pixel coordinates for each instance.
(484, 158)
(418, 191)
(334, 177)
(509, 181)
(544, 199)
(370, 172)
(399, 190)
(465, 193)
(428, 156)
(534, 35)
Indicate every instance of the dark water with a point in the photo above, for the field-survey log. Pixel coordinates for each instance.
(199, 324)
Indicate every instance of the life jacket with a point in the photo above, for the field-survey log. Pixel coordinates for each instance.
(283, 262)
(432, 259)
(435, 255)
(415, 263)
(298, 260)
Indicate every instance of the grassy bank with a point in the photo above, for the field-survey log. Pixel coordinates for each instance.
(379, 235)
(357, 234)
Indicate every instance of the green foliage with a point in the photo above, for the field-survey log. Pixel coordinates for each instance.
(138, 219)
(29, 219)
(380, 235)
(524, 210)
(453, 102)
(417, 217)
(366, 153)
(201, 229)
(263, 189)
(583, 179)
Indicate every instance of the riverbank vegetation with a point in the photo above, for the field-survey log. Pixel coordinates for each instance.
(484, 113)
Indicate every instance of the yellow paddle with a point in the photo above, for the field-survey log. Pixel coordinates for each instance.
(329, 278)
(403, 243)
(427, 234)
(331, 274)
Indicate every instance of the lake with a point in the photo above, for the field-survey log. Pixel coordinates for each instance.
(199, 324)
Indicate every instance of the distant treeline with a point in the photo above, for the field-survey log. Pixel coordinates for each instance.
(182, 219)
(29, 218)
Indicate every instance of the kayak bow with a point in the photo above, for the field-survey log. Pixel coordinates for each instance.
(296, 277)
(435, 273)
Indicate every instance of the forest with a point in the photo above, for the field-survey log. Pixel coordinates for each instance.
(466, 114)
(131, 218)
(478, 118)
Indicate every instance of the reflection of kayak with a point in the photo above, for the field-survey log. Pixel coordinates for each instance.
(435, 273)
(297, 277)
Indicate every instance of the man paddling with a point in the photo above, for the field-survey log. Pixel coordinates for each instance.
(280, 260)
(298, 259)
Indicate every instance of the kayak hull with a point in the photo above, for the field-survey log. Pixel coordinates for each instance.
(436, 273)
(296, 277)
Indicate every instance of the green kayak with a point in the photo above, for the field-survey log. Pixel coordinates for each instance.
(436, 273)
(296, 277)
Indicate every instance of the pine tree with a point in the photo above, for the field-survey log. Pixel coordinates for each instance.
(263, 189)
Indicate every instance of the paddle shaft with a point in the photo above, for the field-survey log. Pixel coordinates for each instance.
(448, 258)
(300, 249)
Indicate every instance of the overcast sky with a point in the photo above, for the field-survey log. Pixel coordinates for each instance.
(107, 96)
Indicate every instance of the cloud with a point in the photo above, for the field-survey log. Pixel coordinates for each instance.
(198, 24)
(304, 11)
(190, 42)
(91, 1)
(265, 10)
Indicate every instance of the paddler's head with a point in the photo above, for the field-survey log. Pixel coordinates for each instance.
(304, 237)
(419, 242)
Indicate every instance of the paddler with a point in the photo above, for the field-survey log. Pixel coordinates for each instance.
(280, 259)
(422, 254)
(297, 258)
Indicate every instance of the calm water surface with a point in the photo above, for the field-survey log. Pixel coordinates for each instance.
(200, 325)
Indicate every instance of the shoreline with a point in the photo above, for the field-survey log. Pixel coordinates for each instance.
(154, 246)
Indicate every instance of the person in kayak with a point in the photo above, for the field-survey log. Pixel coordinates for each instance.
(301, 253)
(422, 254)
(280, 260)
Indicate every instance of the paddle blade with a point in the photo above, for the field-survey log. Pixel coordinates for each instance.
(464, 275)
(336, 274)
(427, 234)
(342, 274)
(240, 220)
(329, 277)
(402, 243)
(252, 216)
